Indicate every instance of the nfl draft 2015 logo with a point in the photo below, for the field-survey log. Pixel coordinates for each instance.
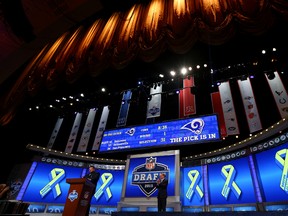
(145, 175)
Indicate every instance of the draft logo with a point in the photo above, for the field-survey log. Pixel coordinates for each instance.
(145, 175)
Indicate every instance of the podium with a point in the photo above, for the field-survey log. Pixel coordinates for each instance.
(79, 197)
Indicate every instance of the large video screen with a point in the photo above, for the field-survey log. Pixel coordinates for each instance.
(192, 186)
(47, 184)
(143, 173)
(273, 167)
(231, 182)
(186, 131)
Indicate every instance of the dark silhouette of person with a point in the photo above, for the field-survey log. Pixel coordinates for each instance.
(93, 177)
(161, 185)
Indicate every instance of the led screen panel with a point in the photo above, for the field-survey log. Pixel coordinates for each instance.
(143, 173)
(193, 189)
(186, 131)
(272, 168)
(109, 186)
(108, 189)
(48, 183)
(230, 182)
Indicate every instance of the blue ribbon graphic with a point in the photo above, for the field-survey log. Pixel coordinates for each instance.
(229, 173)
(194, 177)
(55, 176)
(106, 179)
(280, 159)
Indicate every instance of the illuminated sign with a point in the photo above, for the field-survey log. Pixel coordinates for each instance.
(186, 131)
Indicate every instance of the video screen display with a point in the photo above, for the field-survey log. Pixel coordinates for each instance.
(109, 186)
(186, 131)
(273, 168)
(143, 173)
(48, 185)
(231, 182)
(193, 186)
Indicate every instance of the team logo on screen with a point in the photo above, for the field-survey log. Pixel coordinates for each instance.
(145, 175)
(196, 126)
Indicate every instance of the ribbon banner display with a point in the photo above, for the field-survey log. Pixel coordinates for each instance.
(229, 173)
(281, 160)
(230, 118)
(56, 176)
(82, 147)
(279, 93)
(106, 180)
(73, 134)
(194, 177)
(250, 106)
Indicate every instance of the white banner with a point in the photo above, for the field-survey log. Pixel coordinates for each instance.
(73, 133)
(83, 143)
(101, 128)
(154, 105)
(250, 105)
(230, 118)
(279, 93)
(55, 132)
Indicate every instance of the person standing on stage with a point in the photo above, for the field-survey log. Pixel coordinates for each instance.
(161, 185)
(93, 177)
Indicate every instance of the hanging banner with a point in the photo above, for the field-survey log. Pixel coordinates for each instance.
(125, 104)
(154, 105)
(181, 104)
(279, 93)
(55, 132)
(101, 128)
(188, 98)
(217, 108)
(83, 143)
(73, 133)
(230, 118)
(250, 106)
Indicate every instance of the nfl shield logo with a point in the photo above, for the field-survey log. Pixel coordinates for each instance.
(150, 163)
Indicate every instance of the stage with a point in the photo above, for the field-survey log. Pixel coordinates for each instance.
(247, 213)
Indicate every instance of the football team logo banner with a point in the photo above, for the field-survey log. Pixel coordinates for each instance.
(250, 106)
(154, 105)
(55, 132)
(73, 133)
(188, 98)
(279, 93)
(82, 147)
(125, 104)
(227, 103)
(101, 128)
(217, 108)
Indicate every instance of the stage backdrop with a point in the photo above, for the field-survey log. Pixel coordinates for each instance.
(142, 171)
